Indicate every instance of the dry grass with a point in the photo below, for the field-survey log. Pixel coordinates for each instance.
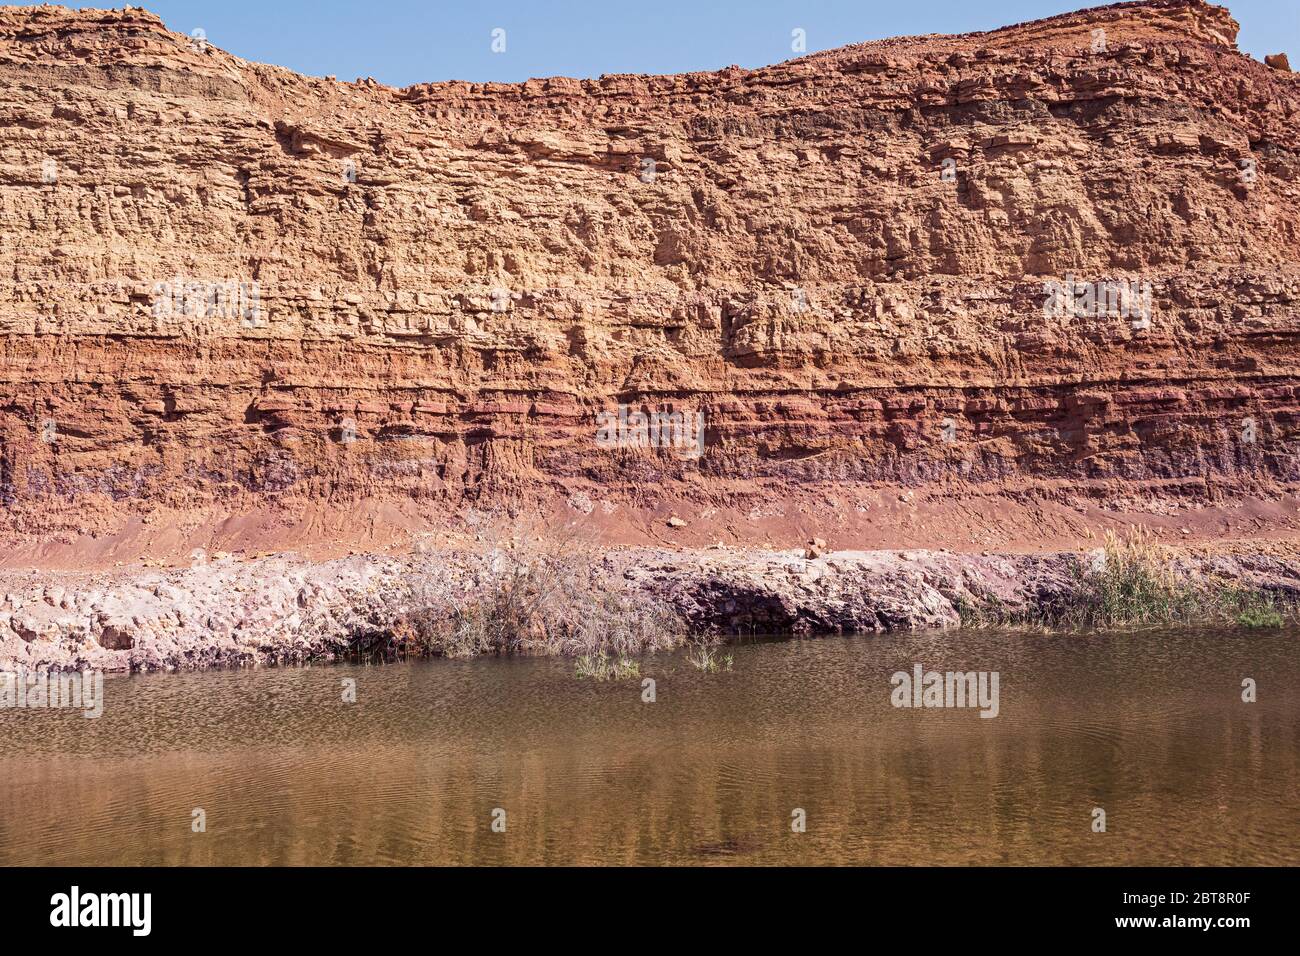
(1134, 585)
(601, 666)
(533, 594)
(705, 657)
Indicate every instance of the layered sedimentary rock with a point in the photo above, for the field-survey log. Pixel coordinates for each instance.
(226, 284)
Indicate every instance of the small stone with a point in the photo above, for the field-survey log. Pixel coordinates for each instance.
(115, 638)
(676, 522)
(1278, 61)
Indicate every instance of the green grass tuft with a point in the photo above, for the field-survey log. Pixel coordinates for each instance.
(705, 657)
(600, 666)
(1134, 586)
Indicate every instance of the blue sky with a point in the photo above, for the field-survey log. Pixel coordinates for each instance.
(412, 41)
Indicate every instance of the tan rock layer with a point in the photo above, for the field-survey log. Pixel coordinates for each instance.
(840, 260)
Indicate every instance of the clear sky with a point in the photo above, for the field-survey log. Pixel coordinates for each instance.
(401, 42)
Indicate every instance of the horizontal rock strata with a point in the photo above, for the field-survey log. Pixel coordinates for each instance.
(226, 284)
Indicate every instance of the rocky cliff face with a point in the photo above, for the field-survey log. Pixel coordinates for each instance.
(1059, 259)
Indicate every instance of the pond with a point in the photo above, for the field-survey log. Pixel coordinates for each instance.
(796, 755)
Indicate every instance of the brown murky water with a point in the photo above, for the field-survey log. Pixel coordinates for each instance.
(1150, 727)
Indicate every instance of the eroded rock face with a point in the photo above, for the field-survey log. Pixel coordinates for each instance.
(219, 613)
(226, 282)
(284, 609)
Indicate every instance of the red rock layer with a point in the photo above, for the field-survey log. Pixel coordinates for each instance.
(840, 260)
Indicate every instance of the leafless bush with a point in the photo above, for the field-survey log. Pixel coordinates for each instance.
(520, 592)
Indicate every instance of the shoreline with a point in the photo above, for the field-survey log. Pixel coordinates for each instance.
(284, 609)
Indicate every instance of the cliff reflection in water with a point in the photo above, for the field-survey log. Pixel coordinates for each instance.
(1151, 727)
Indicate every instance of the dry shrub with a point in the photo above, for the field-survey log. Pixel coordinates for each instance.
(528, 593)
